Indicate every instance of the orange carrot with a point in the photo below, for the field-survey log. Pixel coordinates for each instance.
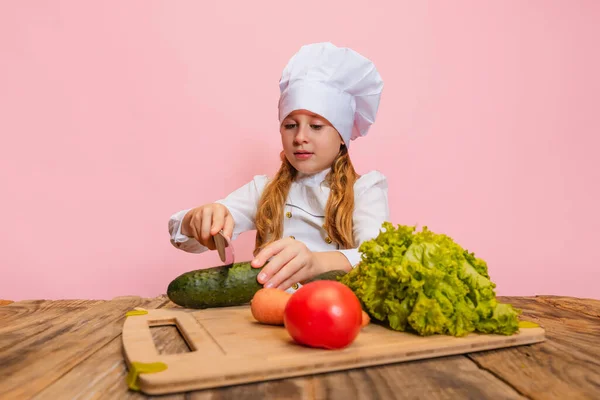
(268, 305)
(365, 319)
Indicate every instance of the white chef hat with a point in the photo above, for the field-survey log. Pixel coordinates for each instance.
(337, 83)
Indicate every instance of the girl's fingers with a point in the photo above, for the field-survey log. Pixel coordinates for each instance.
(288, 275)
(194, 228)
(268, 252)
(277, 262)
(228, 227)
(206, 223)
(218, 220)
(299, 276)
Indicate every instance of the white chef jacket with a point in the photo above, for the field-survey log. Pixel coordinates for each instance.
(304, 212)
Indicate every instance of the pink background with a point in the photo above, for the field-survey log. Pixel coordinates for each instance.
(113, 117)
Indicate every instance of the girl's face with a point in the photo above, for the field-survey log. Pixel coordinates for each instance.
(310, 142)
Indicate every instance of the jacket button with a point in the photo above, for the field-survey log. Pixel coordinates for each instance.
(328, 240)
(295, 286)
(288, 214)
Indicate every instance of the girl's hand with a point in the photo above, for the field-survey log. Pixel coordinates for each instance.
(292, 262)
(202, 223)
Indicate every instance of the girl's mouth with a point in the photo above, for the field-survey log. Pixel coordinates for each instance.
(303, 155)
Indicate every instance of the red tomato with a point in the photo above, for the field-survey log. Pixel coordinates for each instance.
(325, 314)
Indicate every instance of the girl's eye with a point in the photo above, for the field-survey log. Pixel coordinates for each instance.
(316, 127)
(290, 126)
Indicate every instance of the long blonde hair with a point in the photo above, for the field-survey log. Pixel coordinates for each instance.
(338, 211)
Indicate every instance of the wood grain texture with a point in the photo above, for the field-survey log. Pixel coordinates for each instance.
(452, 377)
(30, 365)
(584, 306)
(577, 331)
(17, 310)
(23, 320)
(566, 366)
(102, 375)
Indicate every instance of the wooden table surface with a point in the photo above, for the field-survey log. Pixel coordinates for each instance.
(71, 349)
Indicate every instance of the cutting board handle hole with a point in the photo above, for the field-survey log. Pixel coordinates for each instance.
(168, 338)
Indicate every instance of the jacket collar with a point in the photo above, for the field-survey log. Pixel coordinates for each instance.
(312, 179)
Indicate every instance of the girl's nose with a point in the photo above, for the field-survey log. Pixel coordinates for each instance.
(302, 134)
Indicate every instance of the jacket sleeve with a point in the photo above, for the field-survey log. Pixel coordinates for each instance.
(371, 210)
(241, 204)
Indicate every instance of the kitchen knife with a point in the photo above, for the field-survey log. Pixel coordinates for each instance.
(224, 247)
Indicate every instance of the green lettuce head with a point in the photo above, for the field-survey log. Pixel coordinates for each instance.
(426, 283)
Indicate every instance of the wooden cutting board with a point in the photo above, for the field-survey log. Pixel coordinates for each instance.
(230, 347)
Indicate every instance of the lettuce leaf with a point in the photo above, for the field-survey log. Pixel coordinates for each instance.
(425, 283)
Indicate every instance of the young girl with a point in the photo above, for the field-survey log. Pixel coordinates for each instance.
(315, 212)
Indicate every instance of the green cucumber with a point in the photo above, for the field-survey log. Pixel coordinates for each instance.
(328, 276)
(223, 286)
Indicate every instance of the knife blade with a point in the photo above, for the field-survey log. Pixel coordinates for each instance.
(224, 247)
